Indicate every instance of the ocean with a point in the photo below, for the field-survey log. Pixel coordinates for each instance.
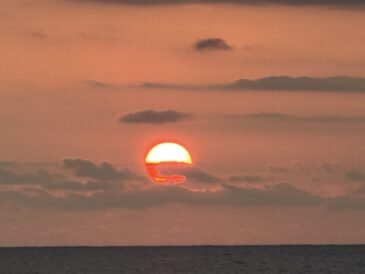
(185, 259)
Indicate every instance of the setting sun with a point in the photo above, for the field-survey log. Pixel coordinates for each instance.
(166, 154)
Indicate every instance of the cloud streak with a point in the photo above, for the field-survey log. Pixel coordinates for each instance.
(154, 117)
(101, 186)
(105, 171)
(290, 118)
(280, 83)
(275, 195)
(211, 44)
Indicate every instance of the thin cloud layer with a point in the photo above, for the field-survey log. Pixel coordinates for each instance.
(275, 195)
(284, 117)
(211, 44)
(9, 177)
(357, 3)
(280, 83)
(336, 83)
(154, 117)
(104, 171)
(245, 179)
(278, 195)
(96, 188)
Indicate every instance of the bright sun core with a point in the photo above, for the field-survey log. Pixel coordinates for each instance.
(168, 152)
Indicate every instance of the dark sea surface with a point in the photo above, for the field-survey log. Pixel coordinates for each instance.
(198, 259)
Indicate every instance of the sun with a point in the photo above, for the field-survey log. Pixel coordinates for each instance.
(166, 154)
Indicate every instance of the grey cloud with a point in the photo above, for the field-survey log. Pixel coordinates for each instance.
(151, 85)
(192, 174)
(101, 186)
(275, 195)
(7, 164)
(197, 175)
(211, 44)
(336, 83)
(103, 172)
(79, 186)
(154, 117)
(355, 175)
(349, 3)
(245, 179)
(283, 83)
(346, 203)
(288, 118)
(104, 176)
(282, 122)
(12, 177)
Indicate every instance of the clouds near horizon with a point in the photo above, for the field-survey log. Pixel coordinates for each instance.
(100, 190)
(280, 83)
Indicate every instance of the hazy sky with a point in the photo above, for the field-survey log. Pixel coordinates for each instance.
(278, 155)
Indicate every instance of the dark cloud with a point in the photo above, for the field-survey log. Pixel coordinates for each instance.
(154, 117)
(7, 164)
(346, 203)
(103, 176)
(274, 195)
(289, 118)
(282, 83)
(79, 186)
(211, 44)
(197, 175)
(245, 179)
(101, 186)
(103, 172)
(336, 83)
(357, 3)
(8, 177)
(355, 175)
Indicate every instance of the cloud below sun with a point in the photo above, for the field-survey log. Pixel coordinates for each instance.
(92, 186)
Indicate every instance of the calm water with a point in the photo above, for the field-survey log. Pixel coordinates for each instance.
(209, 259)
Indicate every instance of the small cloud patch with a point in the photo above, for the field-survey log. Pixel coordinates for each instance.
(154, 117)
(211, 44)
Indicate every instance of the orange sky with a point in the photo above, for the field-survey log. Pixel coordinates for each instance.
(65, 75)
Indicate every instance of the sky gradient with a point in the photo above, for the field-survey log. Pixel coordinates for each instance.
(268, 96)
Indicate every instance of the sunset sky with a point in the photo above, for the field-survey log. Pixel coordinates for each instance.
(268, 97)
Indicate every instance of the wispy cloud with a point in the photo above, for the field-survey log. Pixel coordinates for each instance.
(154, 117)
(104, 171)
(280, 83)
(102, 186)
